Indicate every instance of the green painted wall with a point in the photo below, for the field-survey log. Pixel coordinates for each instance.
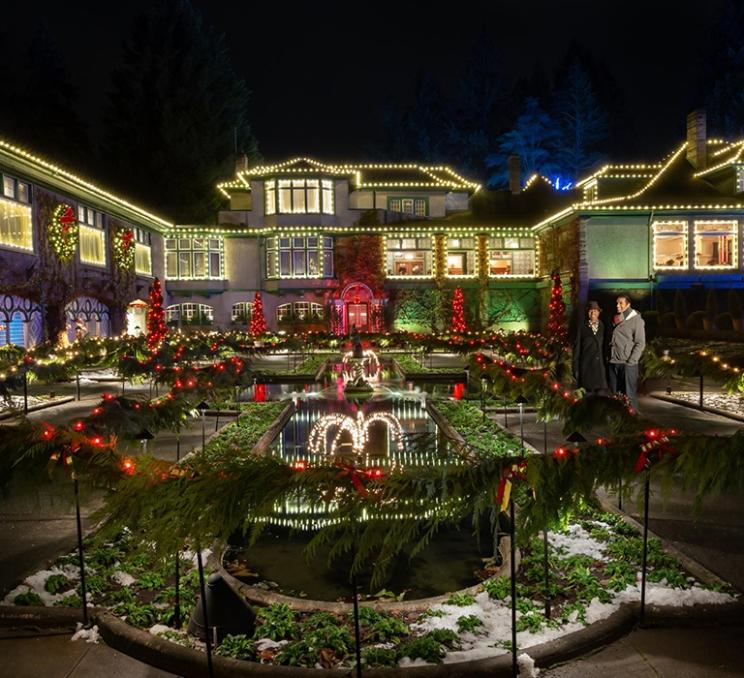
(617, 247)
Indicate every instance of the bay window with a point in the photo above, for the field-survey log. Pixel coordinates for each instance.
(197, 258)
(511, 256)
(299, 196)
(715, 244)
(670, 245)
(409, 256)
(299, 257)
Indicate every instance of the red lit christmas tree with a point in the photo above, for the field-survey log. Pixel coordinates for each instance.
(557, 330)
(458, 313)
(258, 322)
(156, 328)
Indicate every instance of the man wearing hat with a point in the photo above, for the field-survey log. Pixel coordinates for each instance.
(589, 353)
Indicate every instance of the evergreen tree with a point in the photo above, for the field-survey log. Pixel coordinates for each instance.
(156, 327)
(582, 123)
(532, 138)
(40, 108)
(175, 112)
(723, 78)
(258, 320)
(457, 325)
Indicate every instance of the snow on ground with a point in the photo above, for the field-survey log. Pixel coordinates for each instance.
(123, 578)
(577, 541)
(35, 582)
(526, 666)
(88, 635)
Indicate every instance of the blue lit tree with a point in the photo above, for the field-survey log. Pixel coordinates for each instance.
(533, 138)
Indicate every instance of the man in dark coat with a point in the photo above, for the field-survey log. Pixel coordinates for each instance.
(589, 353)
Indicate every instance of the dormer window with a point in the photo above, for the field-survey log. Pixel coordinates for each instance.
(299, 196)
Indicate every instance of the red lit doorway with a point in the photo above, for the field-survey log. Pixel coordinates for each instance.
(357, 314)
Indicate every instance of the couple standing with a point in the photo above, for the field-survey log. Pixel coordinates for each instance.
(621, 347)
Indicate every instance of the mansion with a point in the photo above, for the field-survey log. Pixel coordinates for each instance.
(378, 246)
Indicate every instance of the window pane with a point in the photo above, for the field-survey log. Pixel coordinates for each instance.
(298, 200)
(184, 264)
(24, 192)
(393, 243)
(270, 243)
(424, 243)
(409, 263)
(714, 250)
(170, 243)
(200, 264)
(298, 262)
(524, 262)
(171, 265)
(284, 243)
(92, 250)
(500, 263)
(8, 187)
(456, 264)
(407, 206)
(199, 243)
(670, 245)
(214, 265)
(312, 262)
(298, 243)
(184, 244)
(15, 225)
(420, 208)
(285, 197)
(81, 214)
(511, 242)
(527, 243)
(408, 243)
(394, 205)
(313, 197)
(312, 243)
(214, 243)
(285, 263)
(327, 263)
(327, 242)
(271, 265)
(328, 206)
(495, 243)
(142, 259)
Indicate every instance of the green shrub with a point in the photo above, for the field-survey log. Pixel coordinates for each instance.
(57, 583)
(319, 619)
(237, 646)
(151, 580)
(469, 623)
(141, 616)
(367, 616)
(388, 629)
(276, 622)
(461, 599)
(73, 600)
(379, 656)
(28, 598)
(446, 637)
(498, 588)
(425, 647)
(532, 622)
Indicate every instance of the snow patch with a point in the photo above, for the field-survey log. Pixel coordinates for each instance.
(526, 666)
(123, 578)
(88, 635)
(577, 541)
(269, 644)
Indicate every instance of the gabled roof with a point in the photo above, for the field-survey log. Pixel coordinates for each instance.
(360, 175)
(42, 171)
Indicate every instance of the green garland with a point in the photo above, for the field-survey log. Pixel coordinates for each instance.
(63, 232)
(124, 248)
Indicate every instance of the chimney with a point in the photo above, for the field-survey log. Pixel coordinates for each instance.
(241, 163)
(697, 150)
(515, 185)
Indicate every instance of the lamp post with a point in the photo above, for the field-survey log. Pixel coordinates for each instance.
(143, 436)
(521, 401)
(484, 382)
(203, 407)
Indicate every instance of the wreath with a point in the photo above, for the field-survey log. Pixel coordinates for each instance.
(124, 247)
(63, 232)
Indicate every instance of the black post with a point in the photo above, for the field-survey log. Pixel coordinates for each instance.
(513, 573)
(77, 383)
(355, 592)
(483, 397)
(123, 384)
(701, 390)
(217, 420)
(620, 493)
(645, 547)
(177, 611)
(506, 414)
(83, 594)
(547, 572)
(150, 389)
(25, 390)
(204, 430)
(207, 631)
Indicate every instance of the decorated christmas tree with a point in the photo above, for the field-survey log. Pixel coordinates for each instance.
(258, 322)
(557, 330)
(156, 328)
(458, 313)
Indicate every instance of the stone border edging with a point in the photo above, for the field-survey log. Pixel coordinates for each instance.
(62, 400)
(264, 442)
(262, 597)
(686, 403)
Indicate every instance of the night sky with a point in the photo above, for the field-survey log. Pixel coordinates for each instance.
(319, 72)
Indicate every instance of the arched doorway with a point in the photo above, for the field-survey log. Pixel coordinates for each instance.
(20, 321)
(92, 314)
(357, 306)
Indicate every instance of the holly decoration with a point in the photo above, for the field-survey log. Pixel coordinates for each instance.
(458, 325)
(258, 321)
(124, 246)
(557, 331)
(156, 327)
(63, 232)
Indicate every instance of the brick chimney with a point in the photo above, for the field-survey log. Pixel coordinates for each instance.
(241, 163)
(697, 150)
(515, 184)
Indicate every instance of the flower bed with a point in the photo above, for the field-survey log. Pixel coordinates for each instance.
(410, 367)
(483, 435)
(594, 568)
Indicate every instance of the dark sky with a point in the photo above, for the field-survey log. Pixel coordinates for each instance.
(318, 72)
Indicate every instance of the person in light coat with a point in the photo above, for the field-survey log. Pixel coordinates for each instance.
(626, 346)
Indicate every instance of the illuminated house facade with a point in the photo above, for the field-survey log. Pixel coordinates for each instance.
(330, 246)
(70, 253)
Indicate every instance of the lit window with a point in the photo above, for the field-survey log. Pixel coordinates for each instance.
(299, 196)
(15, 225)
(299, 310)
(460, 256)
(297, 257)
(189, 313)
(142, 251)
(418, 207)
(409, 256)
(16, 190)
(511, 256)
(194, 258)
(670, 244)
(92, 245)
(242, 312)
(715, 244)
